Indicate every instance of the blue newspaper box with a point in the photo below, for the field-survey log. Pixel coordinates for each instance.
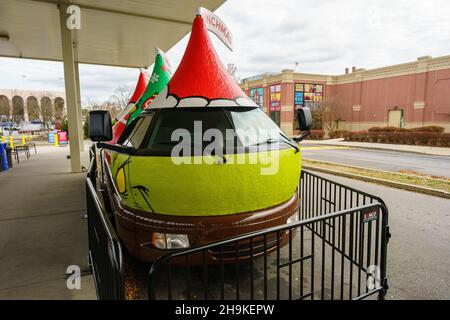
(4, 157)
(51, 137)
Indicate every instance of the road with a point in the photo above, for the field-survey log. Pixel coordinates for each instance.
(419, 250)
(380, 159)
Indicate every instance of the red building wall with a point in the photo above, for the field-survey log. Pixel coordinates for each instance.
(406, 92)
(421, 89)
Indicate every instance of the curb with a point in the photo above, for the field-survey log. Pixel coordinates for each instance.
(398, 185)
(380, 149)
(371, 169)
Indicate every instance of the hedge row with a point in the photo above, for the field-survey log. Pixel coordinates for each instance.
(410, 137)
(338, 134)
(316, 135)
(419, 129)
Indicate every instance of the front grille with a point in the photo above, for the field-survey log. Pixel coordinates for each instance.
(243, 249)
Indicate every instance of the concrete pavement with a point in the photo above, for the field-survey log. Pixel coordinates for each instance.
(41, 232)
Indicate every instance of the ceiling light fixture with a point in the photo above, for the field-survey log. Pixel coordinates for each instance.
(7, 49)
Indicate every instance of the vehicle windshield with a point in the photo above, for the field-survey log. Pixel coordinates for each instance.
(253, 126)
(238, 127)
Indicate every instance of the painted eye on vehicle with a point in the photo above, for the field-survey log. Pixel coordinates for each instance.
(120, 181)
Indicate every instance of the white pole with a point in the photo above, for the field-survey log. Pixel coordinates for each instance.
(79, 114)
(71, 89)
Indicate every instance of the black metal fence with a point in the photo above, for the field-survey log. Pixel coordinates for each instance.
(105, 253)
(337, 250)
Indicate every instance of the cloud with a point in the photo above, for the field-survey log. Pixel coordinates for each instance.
(322, 36)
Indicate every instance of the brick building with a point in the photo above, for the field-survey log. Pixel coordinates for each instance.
(406, 95)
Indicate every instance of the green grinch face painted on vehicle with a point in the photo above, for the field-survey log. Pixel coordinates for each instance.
(158, 185)
(158, 80)
(199, 162)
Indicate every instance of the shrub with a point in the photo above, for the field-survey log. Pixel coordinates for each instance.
(428, 129)
(387, 129)
(444, 140)
(419, 129)
(361, 136)
(423, 138)
(337, 134)
(316, 135)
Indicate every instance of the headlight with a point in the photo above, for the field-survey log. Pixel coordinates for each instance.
(170, 240)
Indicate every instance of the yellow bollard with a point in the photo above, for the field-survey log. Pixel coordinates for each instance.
(3, 139)
(11, 142)
(23, 140)
(56, 139)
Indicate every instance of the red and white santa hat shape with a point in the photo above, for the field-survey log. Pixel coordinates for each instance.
(201, 79)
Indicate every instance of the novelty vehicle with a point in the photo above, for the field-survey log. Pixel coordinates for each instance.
(200, 162)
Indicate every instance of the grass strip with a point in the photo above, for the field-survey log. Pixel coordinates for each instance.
(418, 180)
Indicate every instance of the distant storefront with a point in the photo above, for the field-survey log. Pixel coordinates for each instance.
(275, 103)
(408, 95)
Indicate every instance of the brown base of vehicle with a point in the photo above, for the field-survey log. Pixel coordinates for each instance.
(135, 229)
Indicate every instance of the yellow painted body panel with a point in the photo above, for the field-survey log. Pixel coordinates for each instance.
(156, 184)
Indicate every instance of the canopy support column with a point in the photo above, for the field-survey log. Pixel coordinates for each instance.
(71, 90)
(79, 113)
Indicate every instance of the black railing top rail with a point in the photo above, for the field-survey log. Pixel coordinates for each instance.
(263, 232)
(307, 223)
(115, 253)
(109, 229)
(376, 198)
(164, 260)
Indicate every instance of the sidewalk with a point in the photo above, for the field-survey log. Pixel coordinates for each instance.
(437, 151)
(41, 230)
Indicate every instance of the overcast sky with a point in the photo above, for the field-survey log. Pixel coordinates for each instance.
(322, 36)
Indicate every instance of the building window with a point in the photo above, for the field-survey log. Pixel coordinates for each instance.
(257, 95)
(308, 95)
(275, 103)
(299, 95)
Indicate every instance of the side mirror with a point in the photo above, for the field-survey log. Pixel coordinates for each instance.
(100, 128)
(304, 119)
(304, 123)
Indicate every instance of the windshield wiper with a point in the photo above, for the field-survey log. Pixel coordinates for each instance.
(289, 142)
(273, 140)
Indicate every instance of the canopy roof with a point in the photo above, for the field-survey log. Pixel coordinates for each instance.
(113, 32)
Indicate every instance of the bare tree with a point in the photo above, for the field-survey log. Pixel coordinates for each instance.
(47, 112)
(91, 104)
(59, 108)
(328, 115)
(33, 108)
(5, 108)
(18, 108)
(121, 96)
(113, 108)
(110, 106)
